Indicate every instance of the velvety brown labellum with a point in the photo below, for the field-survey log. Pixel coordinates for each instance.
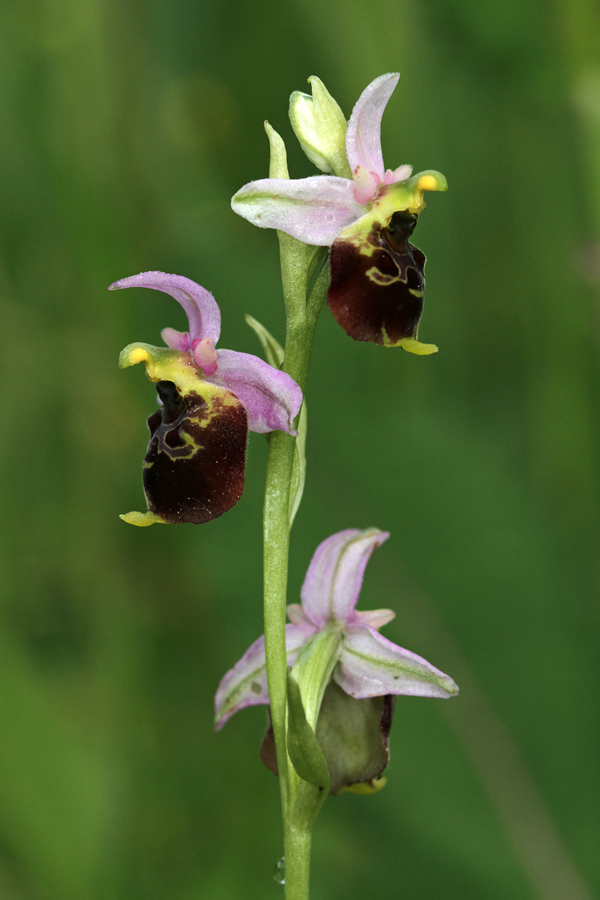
(353, 735)
(377, 283)
(194, 467)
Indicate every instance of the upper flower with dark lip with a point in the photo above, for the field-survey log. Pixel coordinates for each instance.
(376, 291)
(194, 468)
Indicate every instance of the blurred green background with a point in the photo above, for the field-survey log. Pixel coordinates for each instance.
(125, 128)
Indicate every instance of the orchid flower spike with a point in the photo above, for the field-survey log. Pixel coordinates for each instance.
(377, 275)
(209, 399)
(366, 670)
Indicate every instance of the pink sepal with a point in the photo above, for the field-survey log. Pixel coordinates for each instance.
(363, 137)
(372, 666)
(246, 684)
(335, 575)
(313, 210)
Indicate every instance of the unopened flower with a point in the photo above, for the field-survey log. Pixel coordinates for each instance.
(194, 466)
(320, 126)
(354, 715)
(377, 275)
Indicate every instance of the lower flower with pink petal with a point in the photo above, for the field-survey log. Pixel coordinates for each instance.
(350, 709)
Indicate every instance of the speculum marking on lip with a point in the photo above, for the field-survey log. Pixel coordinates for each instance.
(194, 466)
(377, 284)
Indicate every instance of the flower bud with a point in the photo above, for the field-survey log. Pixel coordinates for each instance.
(320, 126)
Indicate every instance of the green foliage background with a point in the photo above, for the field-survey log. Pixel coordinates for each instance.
(125, 128)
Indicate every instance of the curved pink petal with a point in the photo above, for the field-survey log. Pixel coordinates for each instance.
(372, 666)
(272, 399)
(246, 684)
(363, 137)
(335, 574)
(201, 308)
(313, 210)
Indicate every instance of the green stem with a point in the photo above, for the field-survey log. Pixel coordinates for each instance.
(297, 862)
(276, 551)
(303, 303)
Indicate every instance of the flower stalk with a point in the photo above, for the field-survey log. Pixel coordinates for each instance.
(299, 338)
(305, 281)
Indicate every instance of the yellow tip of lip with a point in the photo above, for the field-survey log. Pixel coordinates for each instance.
(414, 346)
(138, 355)
(367, 787)
(427, 183)
(141, 519)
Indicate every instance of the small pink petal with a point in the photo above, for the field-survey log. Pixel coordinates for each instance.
(176, 340)
(297, 615)
(399, 174)
(205, 356)
(363, 137)
(376, 618)
(365, 185)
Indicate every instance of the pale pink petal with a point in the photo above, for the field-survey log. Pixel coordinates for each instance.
(372, 666)
(201, 308)
(297, 615)
(399, 174)
(176, 340)
(376, 618)
(246, 684)
(272, 399)
(363, 137)
(334, 577)
(313, 210)
(365, 185)
(205, 356)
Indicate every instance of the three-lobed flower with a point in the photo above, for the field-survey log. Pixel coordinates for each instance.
(348, 673)
(377, 275)
(209, 400)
